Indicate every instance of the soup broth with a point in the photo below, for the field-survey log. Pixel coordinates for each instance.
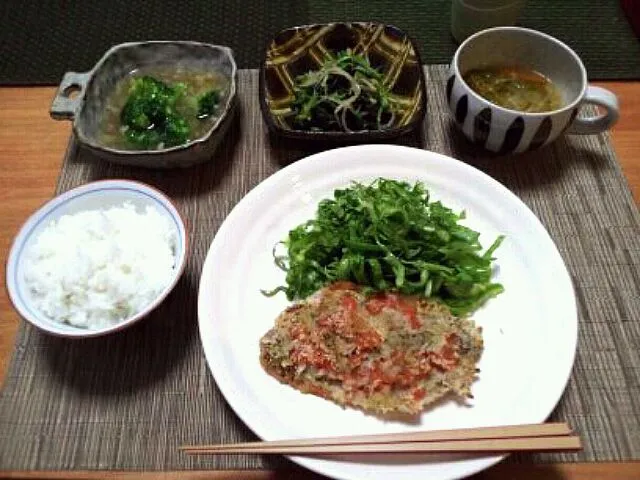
(193, 85)
(515, 88)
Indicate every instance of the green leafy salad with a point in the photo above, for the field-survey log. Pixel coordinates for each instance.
(388, 235)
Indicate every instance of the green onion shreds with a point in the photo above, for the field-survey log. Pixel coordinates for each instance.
(388, 235)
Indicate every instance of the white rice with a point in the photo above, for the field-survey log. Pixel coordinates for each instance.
(95, 268)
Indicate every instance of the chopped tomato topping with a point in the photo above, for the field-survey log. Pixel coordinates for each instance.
(349, 303)
(355, 358)
(376, 303)
(308, 355)
(297, 332)
(374, 306)
(450, 349)
(397, 356)
(409, 311)
(368, 340)
(448, 353)
(440, 361)
(335, 321)
(340, 343)
(453, 339)
(419, 393)
(398, 370)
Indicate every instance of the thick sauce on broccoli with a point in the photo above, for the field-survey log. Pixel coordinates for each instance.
(161, 108)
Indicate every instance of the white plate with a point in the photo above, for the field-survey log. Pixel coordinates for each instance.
(530, 331)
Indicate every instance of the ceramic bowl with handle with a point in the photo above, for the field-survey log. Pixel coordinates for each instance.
(93, 88)
(502, 130)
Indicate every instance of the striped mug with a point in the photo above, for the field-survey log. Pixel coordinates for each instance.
(502, 130)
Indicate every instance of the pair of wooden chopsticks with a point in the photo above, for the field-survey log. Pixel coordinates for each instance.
(536, 437)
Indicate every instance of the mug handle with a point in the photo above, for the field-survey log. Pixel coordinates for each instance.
(603, 98)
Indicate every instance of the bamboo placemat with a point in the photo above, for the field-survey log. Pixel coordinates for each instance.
(128, 400)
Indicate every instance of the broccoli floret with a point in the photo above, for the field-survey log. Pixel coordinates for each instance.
(207, 103)
(149, 114)
(134, 115)
(176, 130)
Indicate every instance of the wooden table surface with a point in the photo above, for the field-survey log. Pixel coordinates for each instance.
(31, 150)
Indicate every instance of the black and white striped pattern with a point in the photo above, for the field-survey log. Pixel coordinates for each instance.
(500, 130)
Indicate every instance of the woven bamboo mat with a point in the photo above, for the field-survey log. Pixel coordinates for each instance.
(127, 401)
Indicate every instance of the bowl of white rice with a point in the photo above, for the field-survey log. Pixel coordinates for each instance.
(96, 259)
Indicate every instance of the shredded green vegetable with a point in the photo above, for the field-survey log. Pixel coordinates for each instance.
(388, 236)
(345, 94)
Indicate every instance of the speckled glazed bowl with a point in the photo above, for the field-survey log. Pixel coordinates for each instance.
(93, 89)
(297, 50)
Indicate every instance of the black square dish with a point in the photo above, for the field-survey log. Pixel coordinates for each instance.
(299, 50)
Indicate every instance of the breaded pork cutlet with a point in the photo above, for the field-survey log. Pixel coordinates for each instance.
(382, 353)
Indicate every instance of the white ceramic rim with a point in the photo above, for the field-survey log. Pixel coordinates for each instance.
(205, 327)
(68, 196)
(549, 38)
